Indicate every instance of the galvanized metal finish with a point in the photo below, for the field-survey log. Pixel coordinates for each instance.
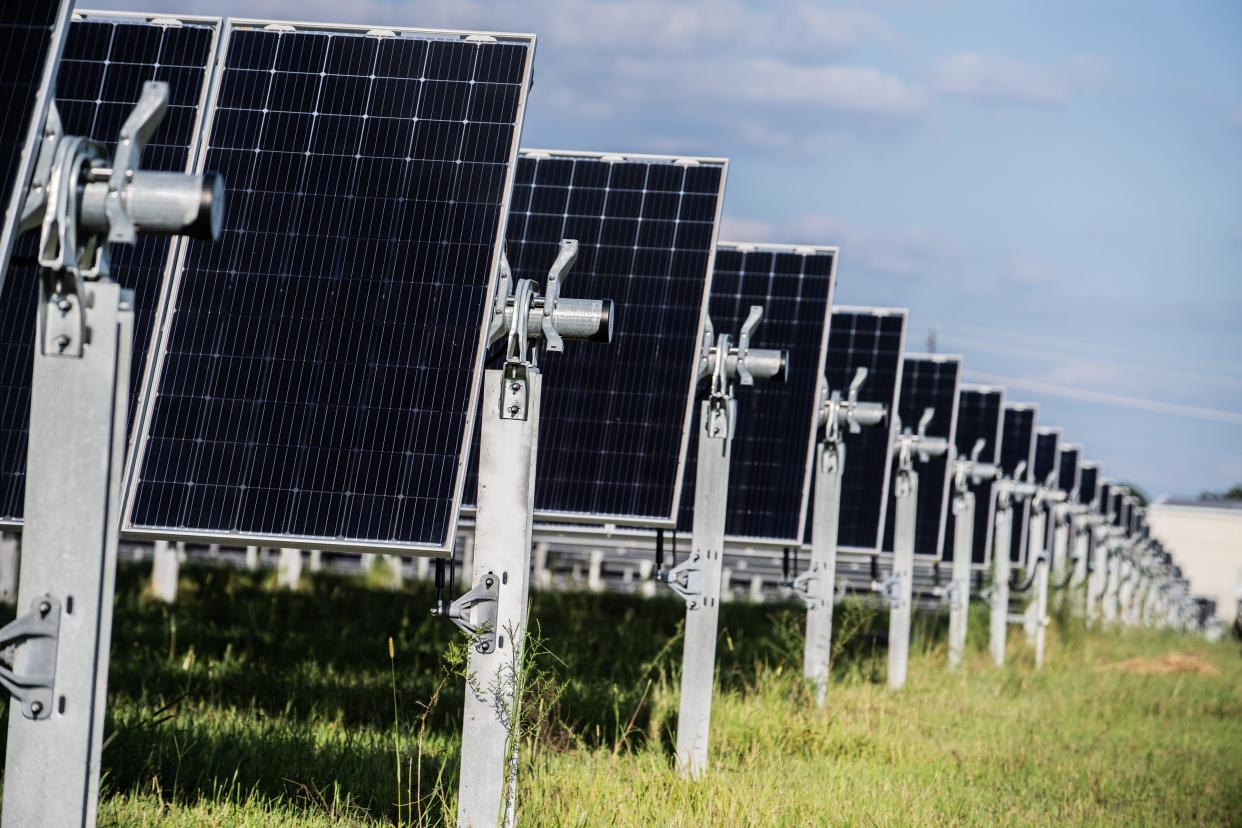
(998, 626)
(1097, 581)
(289, 568)
(698, 663)
(821, 575)
(906, 491)
(165, 567)
(502, 547)
(1037, 611)
(77, 440)
(10, 566)
(959, 591)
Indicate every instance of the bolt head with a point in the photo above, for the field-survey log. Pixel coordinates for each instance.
(517, 386)
(45, 607)
(36, 707)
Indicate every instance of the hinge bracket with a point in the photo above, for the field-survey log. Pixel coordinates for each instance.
(37, 633)
(475, 612)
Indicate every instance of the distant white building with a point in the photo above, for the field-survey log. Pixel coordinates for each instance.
(1205, 539)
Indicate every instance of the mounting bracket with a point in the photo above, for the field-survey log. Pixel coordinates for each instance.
(686, 579)
(37, 633)
(475, 612)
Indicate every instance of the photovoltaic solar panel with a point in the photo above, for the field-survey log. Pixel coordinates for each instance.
(978, 418)
(928, 381)
(1069, 468)
(1047, 456)
(1018, 447)
(871, 338)
(106, 61)
(317, 368)
(1088, 483)
(1121, 510)
(1105, 499)
(613, 421)
(770, 462)
(31, 37)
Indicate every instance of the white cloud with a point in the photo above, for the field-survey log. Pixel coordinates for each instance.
(904, 253)
(1030, 274)
(998, 79)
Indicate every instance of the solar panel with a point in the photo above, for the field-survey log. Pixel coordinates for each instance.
(770, 462)
(871, 338)
(928, 381)
(106, 60)
(317, 368)
(1018, 446)
(1105, 503)
(1088, 483)
(1047, 456)
(978, 418)
(613, 432)
(31, 38)
(1069, 469)
(1121, 511)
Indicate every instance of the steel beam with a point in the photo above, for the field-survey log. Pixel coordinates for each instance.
(821, 576)
(959, 596)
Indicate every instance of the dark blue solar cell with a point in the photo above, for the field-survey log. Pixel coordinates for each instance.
(1018, 448)
(31, 36)
(927, 382)
(1047, 456)
(1088, 483)
(105, 63)
(978, 418)
(871, 339)
(320, 360)
(769, 467)
(1068, 469)
(613, 418)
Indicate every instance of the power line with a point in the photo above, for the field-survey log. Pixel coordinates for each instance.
(1120, 400)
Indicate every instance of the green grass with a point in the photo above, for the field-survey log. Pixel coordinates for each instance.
(245, 706)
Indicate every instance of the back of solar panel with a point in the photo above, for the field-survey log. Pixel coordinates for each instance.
(1018, 447)
(32, 34)
(108, 56)
(928, 381)
(316, 371)
(978, 418)
(871, 338)
(770, 462)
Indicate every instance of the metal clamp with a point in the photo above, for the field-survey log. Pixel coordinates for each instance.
(37, 634)
(891, 588)
(475, 612)
(686, 579)
(801, 587)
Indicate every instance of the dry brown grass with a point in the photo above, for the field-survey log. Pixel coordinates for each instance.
(1170, 662)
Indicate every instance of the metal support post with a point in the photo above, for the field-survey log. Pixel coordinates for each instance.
(1113, 584)
(698, 664)
(820, 576)
(959, 590)
(998, 627)
(1097, 580)
(252, 558)
(316, 560)
(595, 574)
(10, 567)
(76, 451)
(289, 569)
(755, 590)
(502, 547)
(396, 575)
(901, 585)
(543, 575)
(165, 569)
(1037, 611)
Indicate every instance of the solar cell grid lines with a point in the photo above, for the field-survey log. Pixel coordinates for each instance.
(871, 338)
(106, 60)
(1018, 447)
(317, 367)
(614, 430)
(31, 37)
(979, 412)
(770, 468)
(928, 381)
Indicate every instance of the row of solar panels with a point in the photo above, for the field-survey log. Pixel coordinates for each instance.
(311, 379)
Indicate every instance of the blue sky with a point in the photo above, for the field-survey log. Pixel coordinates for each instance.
(1055, 188)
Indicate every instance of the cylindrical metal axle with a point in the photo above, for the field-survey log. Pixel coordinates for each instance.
(767, 364)
(584, 320)
(163, 203)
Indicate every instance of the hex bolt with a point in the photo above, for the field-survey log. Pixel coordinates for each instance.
(513, 409)
(517, 386)
(62, 341)
(45, 607)
(36, 707)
